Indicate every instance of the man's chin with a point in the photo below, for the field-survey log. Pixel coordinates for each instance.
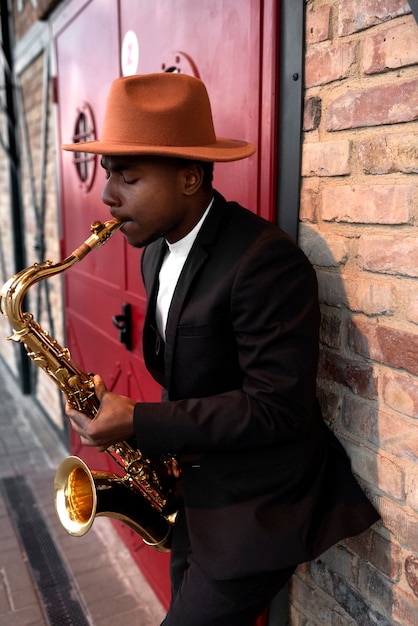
(139, 242)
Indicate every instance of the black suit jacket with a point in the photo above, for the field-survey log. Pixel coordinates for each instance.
(265, 482)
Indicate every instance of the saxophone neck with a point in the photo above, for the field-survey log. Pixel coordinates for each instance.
(14, 290)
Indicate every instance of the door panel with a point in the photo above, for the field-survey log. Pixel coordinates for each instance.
(86, 51)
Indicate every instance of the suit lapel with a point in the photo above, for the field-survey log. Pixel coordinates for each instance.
(151, 340)
(195, 260)
(198, 256)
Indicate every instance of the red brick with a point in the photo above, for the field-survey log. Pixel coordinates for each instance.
(331, 403)
(389, 154)
(352, 607)
(389, 254)
(411, 571)
(398, 435)
(354, 374)
(312, 112)
(383, 104)
(377, 469)
(305, 595)
(331, 330)
(317, 23)
(331, 288)
(357, 15)
(404, 607)
(400, 522)
(378, 590)
(328, 158)
(368, 204)
(412, 485)
(400, 392)
(332, 63)
(391, 48)
(359, 419)
(342, 562)
(370, 295)
(23, 18)
(412, 312)
(385, 344)
(26, 13)
(383, 554)
(329, 254)
(309, 200)
(45, 7)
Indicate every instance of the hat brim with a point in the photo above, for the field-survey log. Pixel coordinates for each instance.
(222, 150)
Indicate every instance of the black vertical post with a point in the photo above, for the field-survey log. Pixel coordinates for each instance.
(291, 61)
(15, 174)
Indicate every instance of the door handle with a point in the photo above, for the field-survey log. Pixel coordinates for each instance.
(123, 322)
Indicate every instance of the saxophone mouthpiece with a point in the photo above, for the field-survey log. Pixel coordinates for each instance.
(100, 233)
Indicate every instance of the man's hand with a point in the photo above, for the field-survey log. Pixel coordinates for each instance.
(113, 422)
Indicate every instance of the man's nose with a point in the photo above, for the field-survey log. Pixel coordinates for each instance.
(109, 195)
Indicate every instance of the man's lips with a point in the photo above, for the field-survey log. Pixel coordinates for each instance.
(121, 218)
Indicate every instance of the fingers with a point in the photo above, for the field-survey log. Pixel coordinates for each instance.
(99, 386)
(78, 420)
(82, 421)
(112, 423)
(80, 424)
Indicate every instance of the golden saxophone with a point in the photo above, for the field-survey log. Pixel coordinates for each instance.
(137, 498)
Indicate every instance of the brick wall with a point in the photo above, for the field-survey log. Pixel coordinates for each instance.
(45, 297)
(359, 212)
(37, 178)
(27, 12)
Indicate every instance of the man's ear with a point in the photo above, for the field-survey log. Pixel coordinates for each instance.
(193, 178)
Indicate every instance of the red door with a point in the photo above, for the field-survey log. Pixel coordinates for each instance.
(231, 46)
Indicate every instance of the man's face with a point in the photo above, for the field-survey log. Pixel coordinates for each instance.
(147, 193)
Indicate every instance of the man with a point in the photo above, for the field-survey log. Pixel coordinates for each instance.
(231, 334)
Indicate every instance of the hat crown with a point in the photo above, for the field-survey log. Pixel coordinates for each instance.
(165, 114)
(159, 110)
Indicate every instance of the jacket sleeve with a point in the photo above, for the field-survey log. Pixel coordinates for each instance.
(275, 320)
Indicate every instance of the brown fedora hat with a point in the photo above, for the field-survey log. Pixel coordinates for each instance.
(162, 114)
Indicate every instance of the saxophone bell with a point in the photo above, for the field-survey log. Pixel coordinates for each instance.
(81, 495)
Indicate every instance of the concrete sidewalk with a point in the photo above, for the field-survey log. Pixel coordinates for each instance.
(46, 576)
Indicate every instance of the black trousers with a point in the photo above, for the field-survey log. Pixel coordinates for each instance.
(199, 601)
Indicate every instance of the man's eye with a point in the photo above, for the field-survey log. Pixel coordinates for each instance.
(128, 181)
